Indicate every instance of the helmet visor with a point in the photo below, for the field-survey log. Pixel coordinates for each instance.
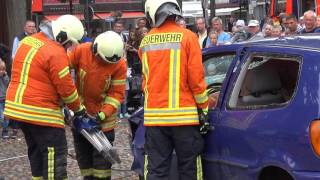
(115, 58)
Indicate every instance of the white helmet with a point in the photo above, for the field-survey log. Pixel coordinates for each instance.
(109, 46)
(157, 11)
(67, 28)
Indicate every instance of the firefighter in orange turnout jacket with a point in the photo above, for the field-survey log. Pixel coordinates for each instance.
(174, 89)
(40, 83)
(101, 76)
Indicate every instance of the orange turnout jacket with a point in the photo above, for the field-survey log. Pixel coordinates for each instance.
(101, 85)
(40, 83)
(173, 79)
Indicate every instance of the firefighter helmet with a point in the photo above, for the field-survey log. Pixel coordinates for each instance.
(109, 46)
(157, 11)
(67, 28)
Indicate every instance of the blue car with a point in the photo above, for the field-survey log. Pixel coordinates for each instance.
(265, 110)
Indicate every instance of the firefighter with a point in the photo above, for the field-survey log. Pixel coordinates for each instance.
(174, 91)
(100, 80)
(40, 83)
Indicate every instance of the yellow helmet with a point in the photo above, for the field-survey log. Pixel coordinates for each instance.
(157, 11)
(109, 46)
(67, 28)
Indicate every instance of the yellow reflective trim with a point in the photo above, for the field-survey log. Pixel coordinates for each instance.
(180, 118)
(145, 172)
(102, 116)
(161, 38)
(169, 111)
(171, 80)
(86, 172)
(82, 74)
(201, 98)
(199, 168)
(71, 98)
(145, 70)
(50, 163)
(33, 42)
(36, 178)
(112, 101)
(64, 72)
(177, 68)
(34, 109)
(107, 83)
(102, 173)
(118, 82)
(33, 117)
(24, 74)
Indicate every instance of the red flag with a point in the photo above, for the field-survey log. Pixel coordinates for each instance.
(289, 7)
(36, 6)
(272, 8)
(318, 7)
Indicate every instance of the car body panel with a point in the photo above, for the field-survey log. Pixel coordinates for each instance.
(245, 141)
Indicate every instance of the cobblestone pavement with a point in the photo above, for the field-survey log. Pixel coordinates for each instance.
(14, 164)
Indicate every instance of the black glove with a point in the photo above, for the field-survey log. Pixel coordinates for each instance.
(204, 121)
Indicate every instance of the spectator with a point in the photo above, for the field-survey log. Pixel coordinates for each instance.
(318, 22)
(181, 22)
(201, 31)
(267, 30)
(241, 35)
(29, 29)
(216, 25)
(4, 81)
(254, 30)
(310, 18)
(293, 26)
(283, 21)
(276, 31)
(118, 27)
(5, 55)
(142, 22)
(213, 38)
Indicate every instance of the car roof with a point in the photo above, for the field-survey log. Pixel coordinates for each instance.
(305, 41)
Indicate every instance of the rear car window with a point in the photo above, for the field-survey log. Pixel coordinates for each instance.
(265, 81)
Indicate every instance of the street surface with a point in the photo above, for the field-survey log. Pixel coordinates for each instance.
(14, 164)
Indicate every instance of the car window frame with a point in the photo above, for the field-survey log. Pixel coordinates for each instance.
(244, 65)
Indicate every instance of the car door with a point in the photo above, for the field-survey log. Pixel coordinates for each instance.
(248, 121)
(218, 65)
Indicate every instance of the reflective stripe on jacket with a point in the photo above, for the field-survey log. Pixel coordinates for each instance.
(173, 76)
(101, 85)
(40, 81)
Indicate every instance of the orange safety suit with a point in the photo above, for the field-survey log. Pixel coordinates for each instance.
(101, 85)
(173, 76)
(40, 81)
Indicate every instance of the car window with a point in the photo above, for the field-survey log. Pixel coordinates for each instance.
(266, 81)
(216, 68)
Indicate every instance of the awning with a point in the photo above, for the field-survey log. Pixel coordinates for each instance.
(225, 11)
(102, 15)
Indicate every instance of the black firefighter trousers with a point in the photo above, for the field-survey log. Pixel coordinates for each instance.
(159, 145)
(92, 164)
(47, 151)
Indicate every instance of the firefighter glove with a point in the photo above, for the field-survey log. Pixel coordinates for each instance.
(204, 121)
(85, 122)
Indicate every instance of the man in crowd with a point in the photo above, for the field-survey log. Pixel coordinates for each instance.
(293, 26)
(175, 90)
(201, 31)
(310, 19)
(254, 30)
(29, 29)
(118, 27)
(40, 82)
(217, 26)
